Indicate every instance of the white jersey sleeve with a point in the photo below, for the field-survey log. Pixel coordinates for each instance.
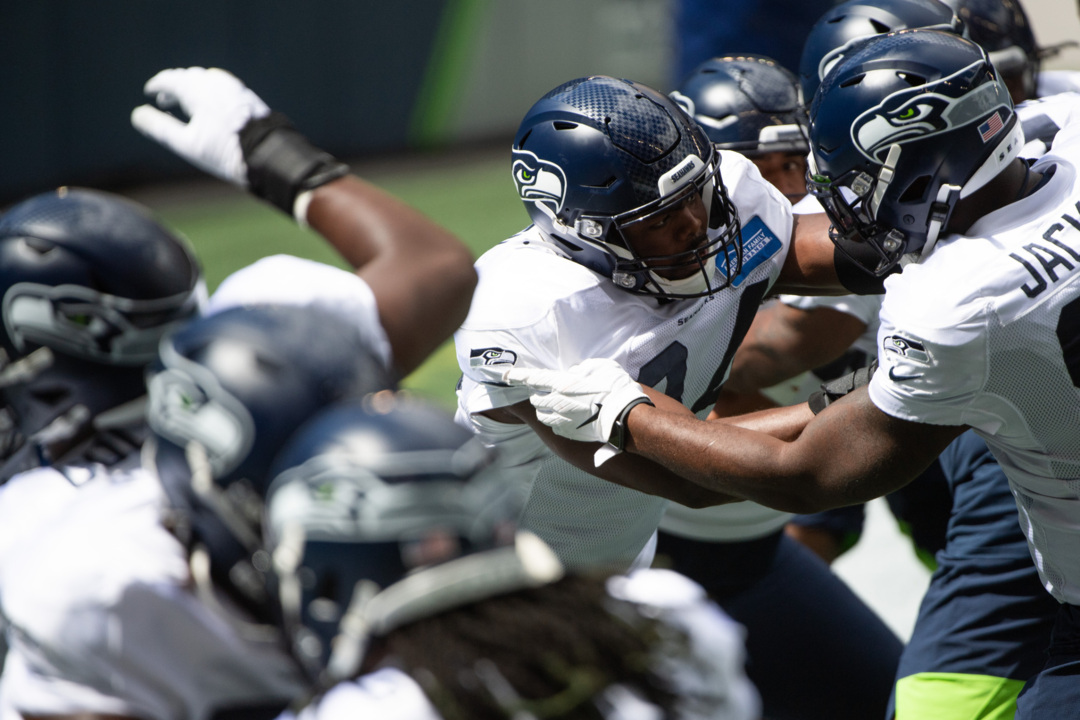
(103, 620)
(289, 280)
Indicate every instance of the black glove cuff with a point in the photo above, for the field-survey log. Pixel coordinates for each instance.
(281, 163)
(841, 386)
(619, 431)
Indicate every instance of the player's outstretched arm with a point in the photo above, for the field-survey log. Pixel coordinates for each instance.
(850, 452)
(420, 273)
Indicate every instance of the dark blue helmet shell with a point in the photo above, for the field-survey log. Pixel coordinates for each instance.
(598, 153)
(901, 129)
(1002, 28)
(746, 103)
(368, 493)
(833, 35)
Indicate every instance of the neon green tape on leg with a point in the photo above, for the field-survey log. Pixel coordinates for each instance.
(955, 696)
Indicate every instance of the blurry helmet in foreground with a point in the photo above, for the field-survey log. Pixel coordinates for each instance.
(836, 33)
(902, 129)
(90, 282)
(746, 103)
(382, 513)
(227, 391)
(598, 155)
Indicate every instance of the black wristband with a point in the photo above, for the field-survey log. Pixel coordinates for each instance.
(619, 431)
(841, 386)
(852, 276)
(282, 163)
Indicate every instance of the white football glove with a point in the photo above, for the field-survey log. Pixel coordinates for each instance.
(218, 104)
(583, 403)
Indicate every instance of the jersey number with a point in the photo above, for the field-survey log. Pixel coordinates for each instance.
(670, 363)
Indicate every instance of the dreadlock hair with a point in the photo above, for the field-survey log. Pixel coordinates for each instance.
(547, 652)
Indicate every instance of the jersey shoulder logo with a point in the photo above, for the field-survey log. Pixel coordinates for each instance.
(904, 352)
(487, 357)
(907, 348)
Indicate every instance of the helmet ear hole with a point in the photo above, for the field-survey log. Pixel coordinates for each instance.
(916, 191)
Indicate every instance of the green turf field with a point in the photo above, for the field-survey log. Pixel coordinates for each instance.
(475, 199)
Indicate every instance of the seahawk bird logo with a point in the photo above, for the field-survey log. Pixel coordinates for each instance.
(538, 180)
(927, 110)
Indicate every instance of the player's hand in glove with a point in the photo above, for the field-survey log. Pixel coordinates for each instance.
(588, 402)
(233, 135)
(218, 105)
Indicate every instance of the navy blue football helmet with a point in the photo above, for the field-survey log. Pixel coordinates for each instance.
(901, 129)
(597, 155)
(225, 394)
(746, 103)
(842, 27)
(1002, 28)
(89, 282)
(382, 513)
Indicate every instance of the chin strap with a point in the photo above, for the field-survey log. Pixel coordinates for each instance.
(940, 212)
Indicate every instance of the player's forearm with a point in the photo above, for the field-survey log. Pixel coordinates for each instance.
(726, 458)
(422, 273)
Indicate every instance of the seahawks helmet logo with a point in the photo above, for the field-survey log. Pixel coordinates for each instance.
(927, 110)
(539, 181)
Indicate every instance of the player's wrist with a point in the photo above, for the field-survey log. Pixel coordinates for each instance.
(283, 167)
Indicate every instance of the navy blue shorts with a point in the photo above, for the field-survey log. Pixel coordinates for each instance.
(1055, 691)
(985, 621)
(815, 651)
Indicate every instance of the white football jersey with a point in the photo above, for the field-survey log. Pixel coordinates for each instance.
(289, 280)
(710, 682)
(985, 332)
(104, 619)
(536, 308)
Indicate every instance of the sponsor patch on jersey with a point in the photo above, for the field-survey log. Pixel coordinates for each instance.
(905, 347)
(759, 243)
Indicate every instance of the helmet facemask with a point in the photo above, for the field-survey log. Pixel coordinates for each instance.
(598, 155)
(635, 273)
(919, 150)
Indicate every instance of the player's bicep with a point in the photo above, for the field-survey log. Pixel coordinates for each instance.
(857, 452)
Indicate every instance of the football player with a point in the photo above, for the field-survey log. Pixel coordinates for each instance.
(90, 282)
(142, 606)
(788, 602)
(652, 248)
(978, 331)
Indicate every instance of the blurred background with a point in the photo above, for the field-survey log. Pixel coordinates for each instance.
(421, 96)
